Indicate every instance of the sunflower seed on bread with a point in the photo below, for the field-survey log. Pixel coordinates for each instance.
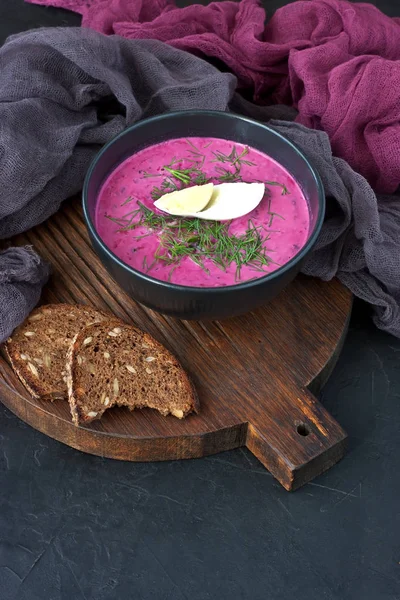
(120, 374)
(38, 348)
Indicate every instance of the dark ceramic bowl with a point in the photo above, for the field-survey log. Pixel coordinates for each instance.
(199, 302)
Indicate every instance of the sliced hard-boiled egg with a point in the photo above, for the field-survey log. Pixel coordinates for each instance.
(227, 201)
(188, 200)
(233, 200)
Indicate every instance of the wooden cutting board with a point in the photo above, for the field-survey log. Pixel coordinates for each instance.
(253, 373)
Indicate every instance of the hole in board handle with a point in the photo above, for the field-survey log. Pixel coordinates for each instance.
(303, 429)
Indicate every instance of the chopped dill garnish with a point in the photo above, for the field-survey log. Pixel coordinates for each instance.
(272, 215)
(195, 150)
(203, 242)
(226, 176)
(129, 199)
(166, 187)
(285, 191)
(176, 177)
(201, 179)
(233, 158)
(200, 241)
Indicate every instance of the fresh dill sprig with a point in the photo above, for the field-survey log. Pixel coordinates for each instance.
(196, 239)
(126, 220)
(226, 176)
(167, 186)
(194, 150)
(285, 191)
(179, 177)
(233, 158)
(128, 199)
(200, 241)
(272, 214)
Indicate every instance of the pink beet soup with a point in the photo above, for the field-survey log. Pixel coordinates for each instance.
(194, 252)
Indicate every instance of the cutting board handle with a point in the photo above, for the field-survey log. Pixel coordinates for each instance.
(294, 437)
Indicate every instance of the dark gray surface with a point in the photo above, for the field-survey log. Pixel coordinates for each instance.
(77, 527)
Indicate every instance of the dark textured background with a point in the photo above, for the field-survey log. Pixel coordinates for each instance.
(77, 527)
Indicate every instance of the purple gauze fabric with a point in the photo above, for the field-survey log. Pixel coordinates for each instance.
(22, 275)
(65, 92)
(336, 62)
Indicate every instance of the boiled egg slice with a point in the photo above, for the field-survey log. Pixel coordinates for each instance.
(189, 200)
(227, 201)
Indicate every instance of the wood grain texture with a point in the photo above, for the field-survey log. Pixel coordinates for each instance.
(252, 373)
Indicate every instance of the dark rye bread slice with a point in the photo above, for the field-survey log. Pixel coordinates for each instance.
(38, 348)
(114, 364)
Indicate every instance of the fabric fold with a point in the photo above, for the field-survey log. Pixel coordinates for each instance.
(336, 62)
(65, 92)
(22, 275)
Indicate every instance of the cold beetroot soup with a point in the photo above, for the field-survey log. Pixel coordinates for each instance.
(193, 252)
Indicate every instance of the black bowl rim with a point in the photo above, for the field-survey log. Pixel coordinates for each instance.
(186, 288)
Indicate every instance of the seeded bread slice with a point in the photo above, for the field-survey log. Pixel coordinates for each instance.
(112, 364)
(38, 348)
